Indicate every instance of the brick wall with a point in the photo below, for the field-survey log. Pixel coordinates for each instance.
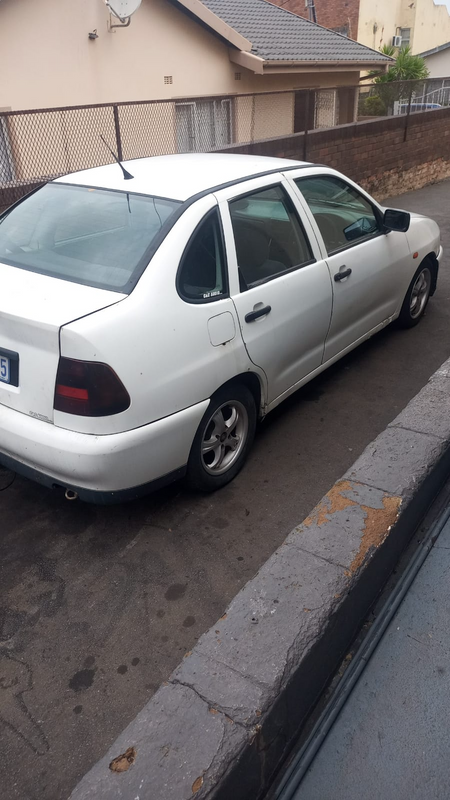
(373, 153)
(342, 14)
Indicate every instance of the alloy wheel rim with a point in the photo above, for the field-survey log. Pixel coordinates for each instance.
(420, 293)
(225, 437)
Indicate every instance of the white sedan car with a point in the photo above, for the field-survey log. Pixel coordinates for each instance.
(148, 321)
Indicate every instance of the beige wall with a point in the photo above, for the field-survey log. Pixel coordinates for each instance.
(380, 20)
(48, 59)
(432, 26)
(49, 62)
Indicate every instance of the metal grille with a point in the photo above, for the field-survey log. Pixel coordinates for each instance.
(38, 145)
(403, 97)
(326, 109)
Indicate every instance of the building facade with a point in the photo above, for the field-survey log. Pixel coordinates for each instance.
(183, 76)
(422, 24)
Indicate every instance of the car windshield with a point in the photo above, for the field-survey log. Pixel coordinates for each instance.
(92, 236)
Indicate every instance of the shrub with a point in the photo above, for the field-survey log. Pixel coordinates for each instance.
(374, 107)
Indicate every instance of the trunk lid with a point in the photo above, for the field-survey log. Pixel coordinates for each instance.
(33, 308)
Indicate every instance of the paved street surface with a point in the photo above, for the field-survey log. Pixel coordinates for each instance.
(392, 739)
(98, 605)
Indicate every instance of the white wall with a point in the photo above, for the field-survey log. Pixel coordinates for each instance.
(439, 64)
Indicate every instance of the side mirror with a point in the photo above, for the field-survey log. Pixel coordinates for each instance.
(394, 220)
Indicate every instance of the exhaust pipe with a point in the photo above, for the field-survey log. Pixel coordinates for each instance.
(71, 495)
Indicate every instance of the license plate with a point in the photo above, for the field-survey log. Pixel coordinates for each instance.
(5, 369)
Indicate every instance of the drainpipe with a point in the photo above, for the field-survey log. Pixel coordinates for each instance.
(312, 16)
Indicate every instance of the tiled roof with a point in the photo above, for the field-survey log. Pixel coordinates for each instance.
(279, 35)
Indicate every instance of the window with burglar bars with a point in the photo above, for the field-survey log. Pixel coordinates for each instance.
(327, 109)
(203, 125)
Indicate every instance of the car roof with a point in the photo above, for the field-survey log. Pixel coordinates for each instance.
(179, 177)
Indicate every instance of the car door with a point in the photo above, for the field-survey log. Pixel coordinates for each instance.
(279, 284)
(367, 266)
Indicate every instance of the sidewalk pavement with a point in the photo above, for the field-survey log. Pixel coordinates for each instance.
(392, 738)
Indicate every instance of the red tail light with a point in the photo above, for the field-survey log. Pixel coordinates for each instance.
(89, 389)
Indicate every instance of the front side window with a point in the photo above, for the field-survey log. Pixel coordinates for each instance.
(85, 235)
(202, 275)
(268, 236)
(343, 215)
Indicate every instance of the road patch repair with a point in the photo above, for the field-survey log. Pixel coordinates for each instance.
(226, 718)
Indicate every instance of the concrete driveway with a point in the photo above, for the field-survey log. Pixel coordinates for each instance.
(98, 605)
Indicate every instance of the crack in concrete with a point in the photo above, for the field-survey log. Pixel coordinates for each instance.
(213, 707)
(318, 555)
(414, 430)
(333, 502)
(377, 521)
(259, 684)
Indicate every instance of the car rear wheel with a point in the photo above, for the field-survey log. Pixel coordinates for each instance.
(223, 439)
(417, 297)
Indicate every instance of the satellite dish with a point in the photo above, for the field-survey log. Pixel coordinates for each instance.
(123, 9)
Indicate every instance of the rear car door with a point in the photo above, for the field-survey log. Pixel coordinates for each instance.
(280, 286)
(367, 266)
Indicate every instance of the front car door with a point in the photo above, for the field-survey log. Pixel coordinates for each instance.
(367, 266)
(280, 285)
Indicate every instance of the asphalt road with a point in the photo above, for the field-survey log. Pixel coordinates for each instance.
(98, 605)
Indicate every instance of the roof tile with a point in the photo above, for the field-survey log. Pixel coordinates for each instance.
(280, 35)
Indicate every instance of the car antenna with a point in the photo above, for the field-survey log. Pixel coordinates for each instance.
(127, 175)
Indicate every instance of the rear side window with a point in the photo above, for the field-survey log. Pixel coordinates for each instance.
(93, 236)
(268, 235)
(202, 273)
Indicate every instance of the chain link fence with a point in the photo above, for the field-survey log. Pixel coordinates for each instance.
(403, 97)
(38, 145)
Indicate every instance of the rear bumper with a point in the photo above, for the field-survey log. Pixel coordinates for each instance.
(100, 469)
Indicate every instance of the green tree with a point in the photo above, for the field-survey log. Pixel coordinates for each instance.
(406, 66)
(403, 78)
(388, 50)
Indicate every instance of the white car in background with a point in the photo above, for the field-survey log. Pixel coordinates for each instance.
(147, 323)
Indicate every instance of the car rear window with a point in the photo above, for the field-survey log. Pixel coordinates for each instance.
(97, 237)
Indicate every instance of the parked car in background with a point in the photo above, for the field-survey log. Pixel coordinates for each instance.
(147, 323)
(403, 107)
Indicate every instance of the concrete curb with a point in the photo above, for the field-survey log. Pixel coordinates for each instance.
(225, 719)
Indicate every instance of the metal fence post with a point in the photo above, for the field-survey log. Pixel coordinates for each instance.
(118, 137)
(408, 112)
(305, 132)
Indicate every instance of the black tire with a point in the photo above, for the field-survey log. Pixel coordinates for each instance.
(211, 469)
(413, 307)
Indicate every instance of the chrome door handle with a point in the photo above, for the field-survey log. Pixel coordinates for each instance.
(261, 312)
(340, 276)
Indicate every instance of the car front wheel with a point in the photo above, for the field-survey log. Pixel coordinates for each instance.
(417, 297)
(223, 439)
